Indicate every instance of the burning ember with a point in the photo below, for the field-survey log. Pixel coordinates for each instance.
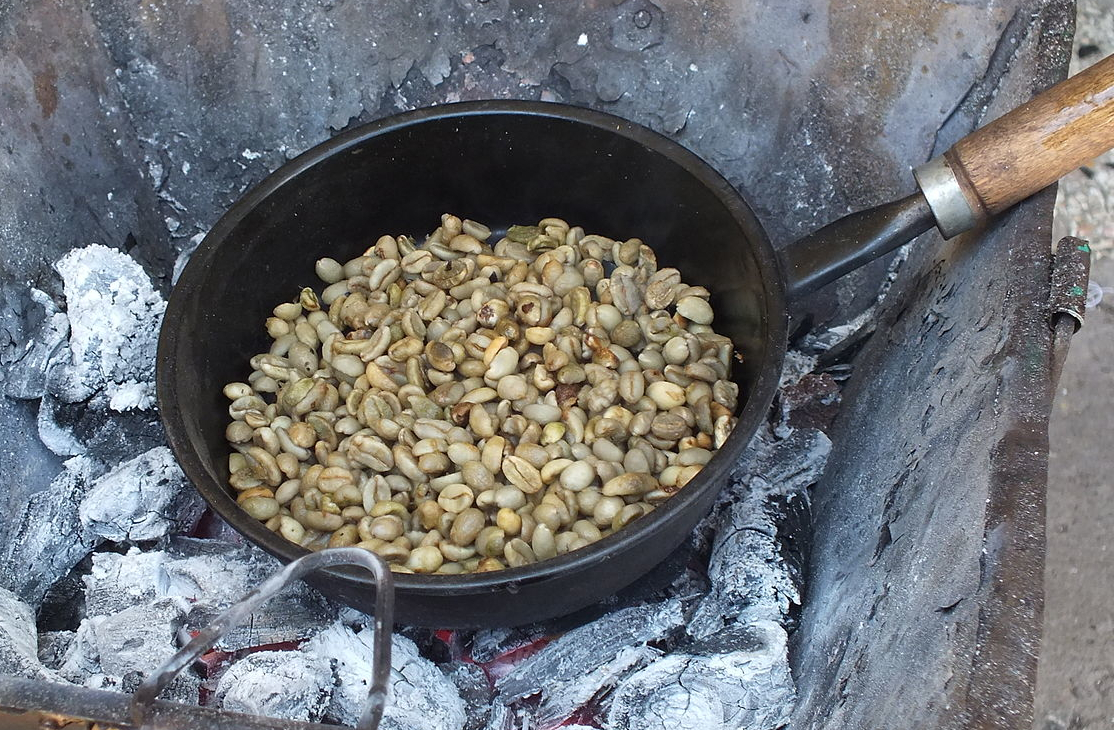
(701, 642)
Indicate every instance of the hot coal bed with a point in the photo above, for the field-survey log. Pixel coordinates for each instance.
(900, 471)
(119, 561)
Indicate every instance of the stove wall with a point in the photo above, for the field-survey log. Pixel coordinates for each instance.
(135, 126)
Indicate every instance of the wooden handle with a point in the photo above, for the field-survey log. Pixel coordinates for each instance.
(1039, 142)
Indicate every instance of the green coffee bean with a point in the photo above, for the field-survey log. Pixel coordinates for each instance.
(460, 397)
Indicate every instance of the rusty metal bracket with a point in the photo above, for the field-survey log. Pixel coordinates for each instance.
(1067, 303)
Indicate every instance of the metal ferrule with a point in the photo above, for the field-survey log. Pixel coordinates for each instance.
(950, 207)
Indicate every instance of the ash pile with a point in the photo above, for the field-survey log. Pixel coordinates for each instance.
(116, 564)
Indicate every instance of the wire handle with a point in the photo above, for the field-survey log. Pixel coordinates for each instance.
(157, 681)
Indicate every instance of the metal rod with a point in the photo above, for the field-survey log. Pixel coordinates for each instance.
(61, 704)
(840, 247)
(144, 698)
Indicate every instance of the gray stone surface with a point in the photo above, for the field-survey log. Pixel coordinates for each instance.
(930, 518)
(1075, 678)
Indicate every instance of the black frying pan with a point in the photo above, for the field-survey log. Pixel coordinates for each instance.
(501, 163)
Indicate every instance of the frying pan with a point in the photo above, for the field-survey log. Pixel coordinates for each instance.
(505, 162)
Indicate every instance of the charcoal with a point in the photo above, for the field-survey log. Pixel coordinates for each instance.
(475, 691)
(45, 538)
(141, 499)
(218, 578)
(758, 551)
(504, 717)
(117, 651)
(120, 581)
(430, 644)
(748, 686)
(562, 700)
(26, 376)
(285, 618)
(285, 684)
(787, 464)
(63, 604)
(420, 695)
(490, 644)
(565, 662)
(114, 315)
(216, 575)
(747, 568)
(54, 646)
(137, 639)
(353, 618)
(55, 436)
(211, 576)
(108, 436)
(19, 644)
(81, 660)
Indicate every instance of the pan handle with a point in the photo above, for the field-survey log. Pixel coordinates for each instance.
(1023, 151)
(984, 173)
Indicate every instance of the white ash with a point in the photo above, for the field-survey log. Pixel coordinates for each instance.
(19, 644)
(789, 464)
(504, 717)
(747, 568)
(796, 366)
(749, 687)
(420, 695)
(210, 581)
(141, 499)
(117, 582)
(282, 684)
(138, 638)
(561, 701)
(216, 575)
(564, 663)
(55, 437)
(116, 651)
(114, 315)
(46, 539)
(736, 674)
